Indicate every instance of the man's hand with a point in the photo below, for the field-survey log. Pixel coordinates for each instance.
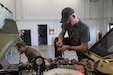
(59, 43)
(63, 48)
(21, 62)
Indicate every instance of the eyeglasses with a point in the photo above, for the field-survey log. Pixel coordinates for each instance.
(18, 48)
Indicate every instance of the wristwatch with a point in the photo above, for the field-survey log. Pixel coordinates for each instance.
(69, 48)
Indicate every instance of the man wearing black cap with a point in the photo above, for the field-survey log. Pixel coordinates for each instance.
(78, 31)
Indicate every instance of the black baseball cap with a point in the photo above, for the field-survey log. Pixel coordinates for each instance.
(66, 12)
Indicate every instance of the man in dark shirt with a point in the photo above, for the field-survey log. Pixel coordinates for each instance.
(78, 31)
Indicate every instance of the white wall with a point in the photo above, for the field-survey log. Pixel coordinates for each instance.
(32, 25)
(46, 9)
(30, 13)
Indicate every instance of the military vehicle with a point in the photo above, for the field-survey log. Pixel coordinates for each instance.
(99, 59)
(9, 35)
(8, 30)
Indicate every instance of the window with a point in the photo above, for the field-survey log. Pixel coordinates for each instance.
(110, 25)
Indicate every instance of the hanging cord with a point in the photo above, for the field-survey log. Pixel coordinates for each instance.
(63, 55)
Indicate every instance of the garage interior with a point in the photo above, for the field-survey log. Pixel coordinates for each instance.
(38, 23)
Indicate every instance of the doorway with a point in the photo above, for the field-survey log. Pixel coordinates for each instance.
(42, 34)
(26, 36)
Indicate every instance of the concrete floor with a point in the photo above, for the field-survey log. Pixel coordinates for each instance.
(46, 51)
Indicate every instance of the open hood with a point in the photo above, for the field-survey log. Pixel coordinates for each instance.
(8, 30)
(99, 59)
(104, 46)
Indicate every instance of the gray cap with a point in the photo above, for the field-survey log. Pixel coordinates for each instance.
(66, 12)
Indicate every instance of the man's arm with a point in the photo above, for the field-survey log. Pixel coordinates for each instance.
(81, 47)
(61, 35)
(60, 38)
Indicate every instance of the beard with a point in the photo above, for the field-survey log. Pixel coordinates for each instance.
(21, 52)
